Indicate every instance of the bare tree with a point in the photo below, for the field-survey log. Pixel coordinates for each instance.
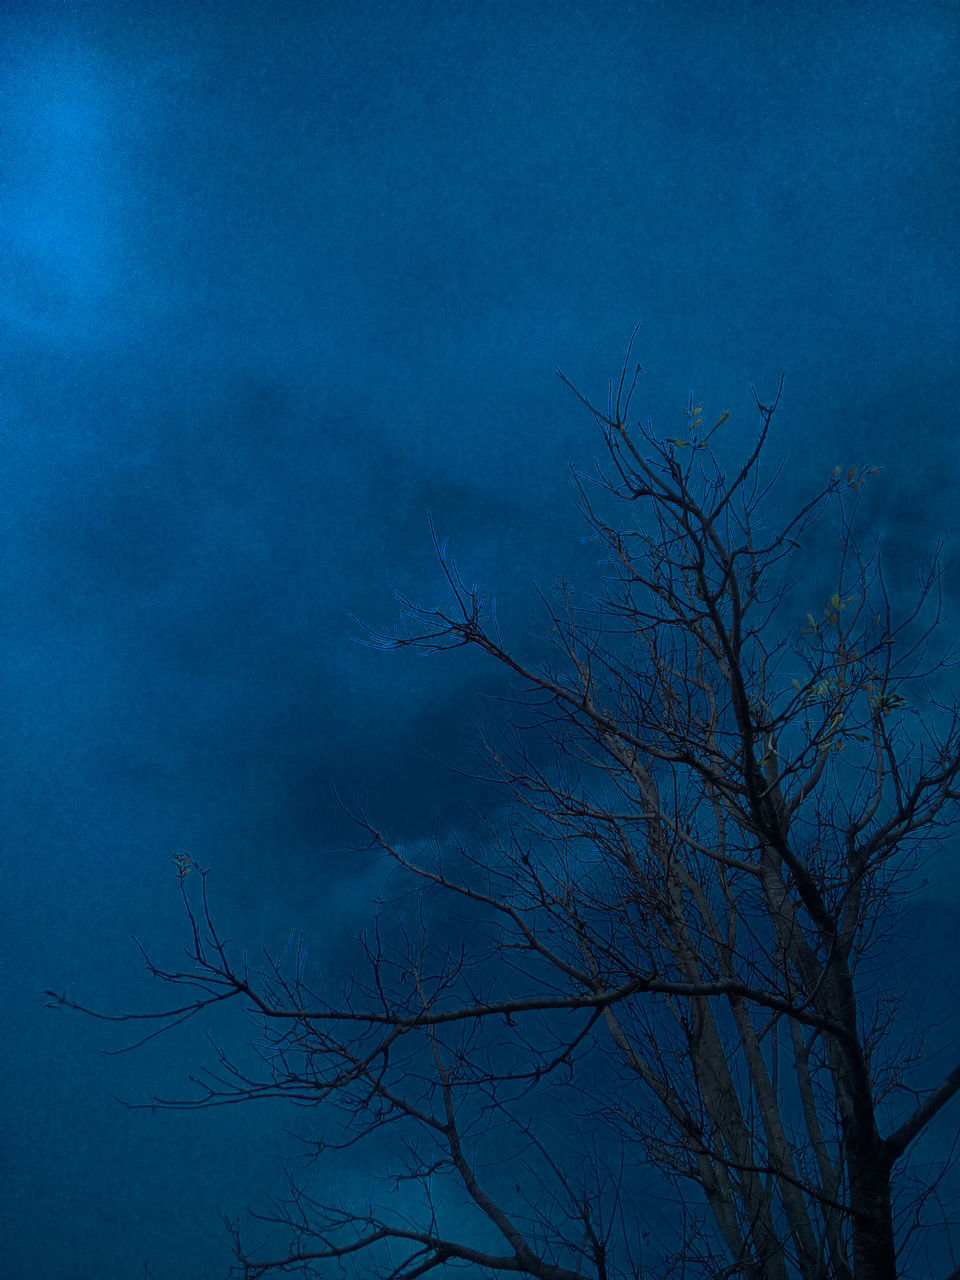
(633, 1023)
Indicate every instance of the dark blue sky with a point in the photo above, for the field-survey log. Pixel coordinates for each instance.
(277, 279)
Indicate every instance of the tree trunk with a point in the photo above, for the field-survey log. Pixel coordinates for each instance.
(874, 1251)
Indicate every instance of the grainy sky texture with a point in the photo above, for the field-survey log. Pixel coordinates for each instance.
(279, 278)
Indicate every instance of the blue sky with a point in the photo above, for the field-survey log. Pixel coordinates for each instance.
(279, 278)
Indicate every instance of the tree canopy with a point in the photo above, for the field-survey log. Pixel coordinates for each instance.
(634, 1022)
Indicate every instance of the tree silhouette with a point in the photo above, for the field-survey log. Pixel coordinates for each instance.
(633, 1024)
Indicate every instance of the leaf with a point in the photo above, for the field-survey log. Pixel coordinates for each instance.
(851, 473)
(722, 419)
(183, 863)
(678, 442)
(836, 471)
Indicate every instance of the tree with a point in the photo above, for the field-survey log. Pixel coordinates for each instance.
(632, 1024)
